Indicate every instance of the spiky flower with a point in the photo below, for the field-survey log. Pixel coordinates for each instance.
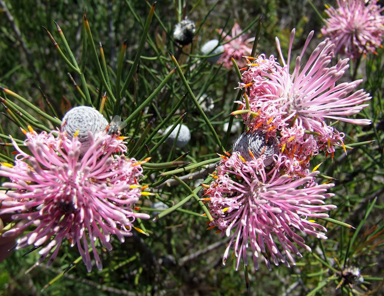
(262, 211)
(237, 49)
(84, 199)
(297, 107)
(355, 27)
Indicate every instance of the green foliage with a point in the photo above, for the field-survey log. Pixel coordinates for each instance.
(140, 73)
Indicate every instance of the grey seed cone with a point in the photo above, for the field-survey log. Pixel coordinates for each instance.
(184, 32)
(83, 119)
(257, 144)
(211, 48)
(182, 139)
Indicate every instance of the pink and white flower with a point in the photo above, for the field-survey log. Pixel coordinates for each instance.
(356, 28)
(262, 211)
(69, 196)
(237, 48)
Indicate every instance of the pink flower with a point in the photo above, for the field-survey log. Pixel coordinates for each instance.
(261, 210)
(354, 27)
(237, 48)
(68, 196)
(296, 107)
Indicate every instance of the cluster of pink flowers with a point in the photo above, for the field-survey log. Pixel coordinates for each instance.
(236, 49)
(356, 28)
(264, 191)
(69, 196)
(295, 106)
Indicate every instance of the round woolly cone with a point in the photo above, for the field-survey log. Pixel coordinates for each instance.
(184, 32)
(212, 47)
(182, 139)
(84, 120)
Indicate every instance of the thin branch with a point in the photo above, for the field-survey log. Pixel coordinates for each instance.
(192, 176)
(185, 259)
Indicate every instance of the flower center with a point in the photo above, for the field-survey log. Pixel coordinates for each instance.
(67, 207)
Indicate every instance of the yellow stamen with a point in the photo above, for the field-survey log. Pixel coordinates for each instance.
(291, 138)
(226, 209)
(147, 193)
(24, 131)
(76, 133)
(282, 149)
(147, 159)
(242, 159)
(134, 186)
(144, 187)
(270, 120)
(7, 164)
(30, 129)
(141, 231)
(316, 167)
(313, 221)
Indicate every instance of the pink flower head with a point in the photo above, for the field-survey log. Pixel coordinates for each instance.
(354, 27)
(295, 107)
(261, 211)
(69, 196)
(236, 49)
